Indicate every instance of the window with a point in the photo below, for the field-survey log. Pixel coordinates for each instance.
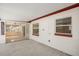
(2, 28)
(36, 29)
(64, 27)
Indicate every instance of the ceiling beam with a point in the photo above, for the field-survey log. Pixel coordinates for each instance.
(56, 12)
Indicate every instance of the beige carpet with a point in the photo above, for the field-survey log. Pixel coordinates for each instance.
(28, 48)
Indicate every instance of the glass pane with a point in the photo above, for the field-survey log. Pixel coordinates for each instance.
(2, 28)
(36, 29)
(63, 29)
(64, 21)
(36, 32)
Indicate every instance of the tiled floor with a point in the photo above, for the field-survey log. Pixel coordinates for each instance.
(28, 48)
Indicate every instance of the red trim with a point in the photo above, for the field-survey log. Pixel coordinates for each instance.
(63, 35)
(56, 12)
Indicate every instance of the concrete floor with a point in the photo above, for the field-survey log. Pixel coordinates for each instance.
(28, 48)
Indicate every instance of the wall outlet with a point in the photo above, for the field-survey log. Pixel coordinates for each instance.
(48, 40)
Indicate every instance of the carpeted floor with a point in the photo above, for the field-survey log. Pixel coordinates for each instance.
(28, 48)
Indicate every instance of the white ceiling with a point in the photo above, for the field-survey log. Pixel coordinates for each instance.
(28, 11)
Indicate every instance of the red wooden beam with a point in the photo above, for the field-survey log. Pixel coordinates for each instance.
(56, 12)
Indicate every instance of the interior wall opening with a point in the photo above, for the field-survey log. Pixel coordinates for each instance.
(15, 31)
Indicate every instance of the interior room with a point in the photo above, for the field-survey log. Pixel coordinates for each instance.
(39, 29)
(15, 31)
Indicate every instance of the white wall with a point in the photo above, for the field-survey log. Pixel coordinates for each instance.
(47, 26)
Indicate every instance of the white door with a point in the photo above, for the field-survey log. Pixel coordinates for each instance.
(45, 32)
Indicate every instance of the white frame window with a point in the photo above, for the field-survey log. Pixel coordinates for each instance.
(35, 29)
(64, 27)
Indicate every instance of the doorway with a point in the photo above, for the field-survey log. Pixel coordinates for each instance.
(15, 31)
